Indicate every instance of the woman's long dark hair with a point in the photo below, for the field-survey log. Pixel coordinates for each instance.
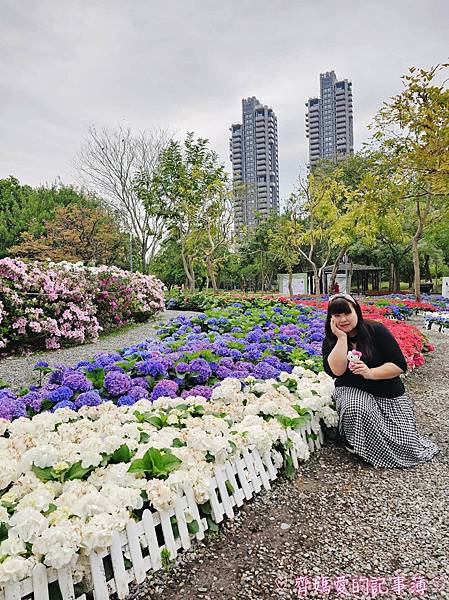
(364, 338)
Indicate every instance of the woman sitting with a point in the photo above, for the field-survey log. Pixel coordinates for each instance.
(375, 414)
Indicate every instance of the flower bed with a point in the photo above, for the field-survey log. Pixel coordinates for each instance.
(70, 481)
(398, 307)
(49, 305)
(194, 355)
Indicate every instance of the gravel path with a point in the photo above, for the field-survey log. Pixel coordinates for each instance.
(17, 371)
(337, 516)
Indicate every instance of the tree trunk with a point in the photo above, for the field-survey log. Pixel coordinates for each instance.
(316, 280)
(143, 257)
(188, 270)
(335, 269)
(393, 283)
(416, 270)
(213, 279)
(349, 282)
(290, 283)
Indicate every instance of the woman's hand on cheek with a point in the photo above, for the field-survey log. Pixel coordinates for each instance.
(335, 330)
(360, 368)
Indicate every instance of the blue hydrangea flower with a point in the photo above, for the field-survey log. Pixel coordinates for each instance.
(64, 404)
(126, 400)
(60, 394)
(41, 364)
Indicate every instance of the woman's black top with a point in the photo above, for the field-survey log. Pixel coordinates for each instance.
(384, 349)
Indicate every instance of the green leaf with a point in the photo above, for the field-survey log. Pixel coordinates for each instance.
(46, 404)
(3, 384)
(284, 421)
(301, 411)
(193, 527)
(156, 421)
(206, 508)
(51, 508)
(177, 443)
(121, 455)
(210, 457)
(311, 436)
(44, 474)
(229, 487)
(212, 526)
(76, 471)
(3, 532)
(137, 466)
(155, 463)
(144, 437)
(96, 376)
(299, 421)
(288, 469)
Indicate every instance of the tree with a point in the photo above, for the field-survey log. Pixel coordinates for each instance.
(413, 129)
(26, 209)
(187, 183)
(283, 245)
(320, 209)
(77, 233)
(110, 162)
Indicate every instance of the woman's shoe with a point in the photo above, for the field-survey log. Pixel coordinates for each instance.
(350, 449)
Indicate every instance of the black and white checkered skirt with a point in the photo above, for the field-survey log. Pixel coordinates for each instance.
(382, 431)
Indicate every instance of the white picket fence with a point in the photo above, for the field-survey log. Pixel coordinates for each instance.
(137, 550)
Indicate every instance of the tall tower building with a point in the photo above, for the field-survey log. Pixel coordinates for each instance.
(255, 164)
(329, 121)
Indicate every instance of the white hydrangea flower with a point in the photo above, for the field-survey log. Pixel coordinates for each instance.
(27, 524)
(15, 568)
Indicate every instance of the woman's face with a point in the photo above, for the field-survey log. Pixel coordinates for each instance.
(346, 322)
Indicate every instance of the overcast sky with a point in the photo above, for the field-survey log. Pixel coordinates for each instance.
(185, 65)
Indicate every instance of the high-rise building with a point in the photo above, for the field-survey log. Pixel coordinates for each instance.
(255, 164)
(329, 122)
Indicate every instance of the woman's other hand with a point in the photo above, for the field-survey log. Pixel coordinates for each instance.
(360, 368)
(335, 330)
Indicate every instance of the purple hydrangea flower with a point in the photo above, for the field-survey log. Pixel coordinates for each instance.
(33, 400)
(265, 371)
(182, 367)
(140, 382)
(77, 382)
(198, 390)
(165, 387)
(200, 369)
(64, 404)
(88, 399)
(223, 372)
(152, 367)
(83, 363)
(41, 364)
(5, 409)
(101, 360)
(117, 383)
(138, 392)
(228, 363)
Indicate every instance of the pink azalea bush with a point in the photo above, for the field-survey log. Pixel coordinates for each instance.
(54, 304)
